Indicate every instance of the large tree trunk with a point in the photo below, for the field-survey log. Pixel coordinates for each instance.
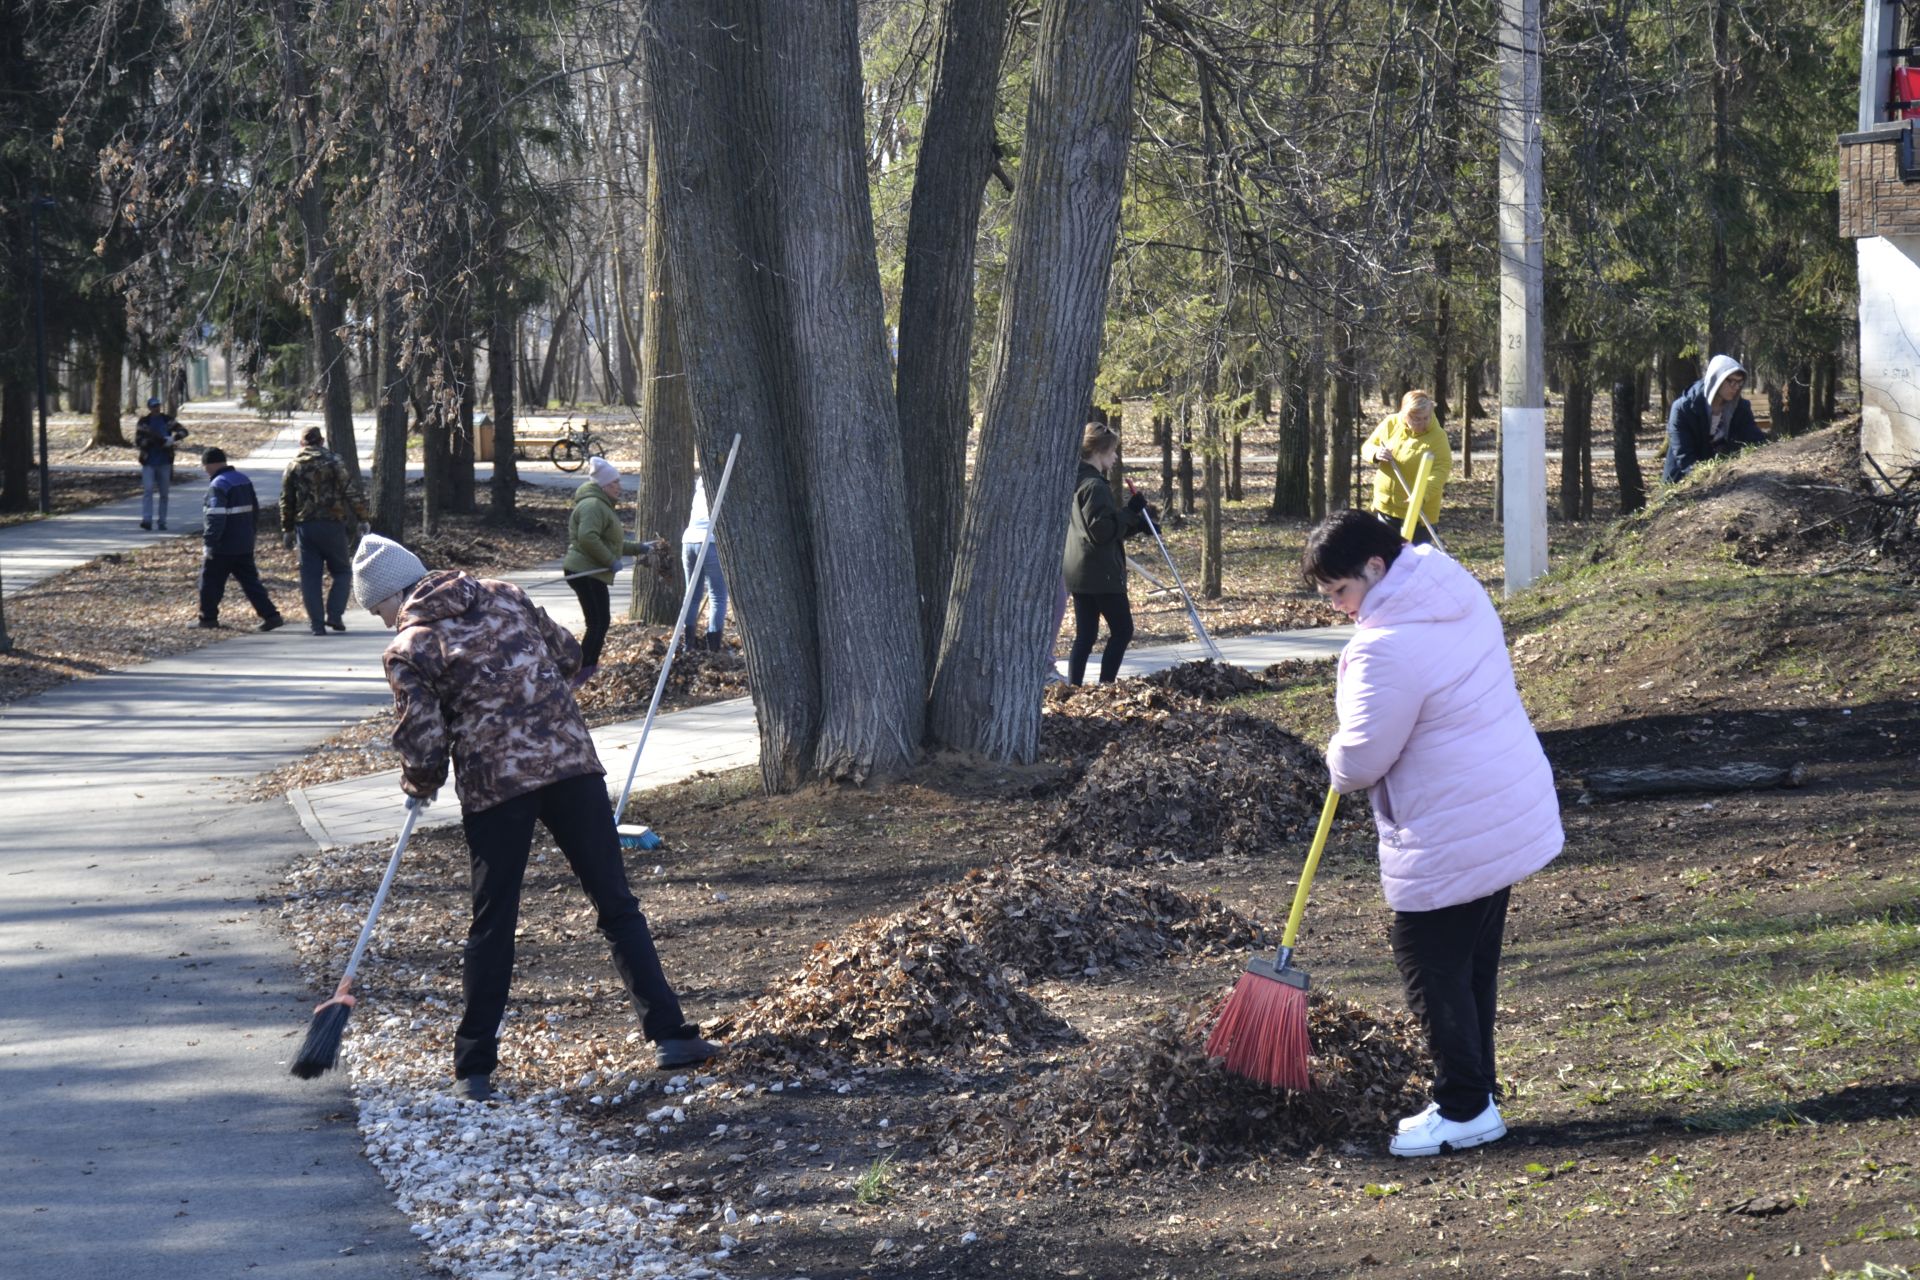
(16, 444)
(936, 295)
(758, 125)
(1576, 434)
(1317, 431)
(1626, 457)
(389, 499)
(460, 445)
(666, 416)
(986, 690)
(1210, 512)
(308, 192)
(1163, 435)
(110, 340)
(1292, 485)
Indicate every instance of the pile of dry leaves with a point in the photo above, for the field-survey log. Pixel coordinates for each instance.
(630, 666)
(1192, 785)
(944, 978)
(1153, 1100)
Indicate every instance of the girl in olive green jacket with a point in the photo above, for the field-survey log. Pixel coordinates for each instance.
(595, 542)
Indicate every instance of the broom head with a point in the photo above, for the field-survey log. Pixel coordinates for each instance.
(321, 1049)
(1262, 1032)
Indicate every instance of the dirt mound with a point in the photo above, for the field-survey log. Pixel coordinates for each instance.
(1193, 785)
(1153, 1100)
(943, 978)
(1793, 504)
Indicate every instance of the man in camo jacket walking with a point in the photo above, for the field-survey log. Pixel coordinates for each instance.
(319, 501)
(481, 673)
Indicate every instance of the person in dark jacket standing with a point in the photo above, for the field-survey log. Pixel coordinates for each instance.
(1710, 420)
(595, 542)
(229, 518)
(1095, 565)
(318, 501)
(482, 674)
(155, 436)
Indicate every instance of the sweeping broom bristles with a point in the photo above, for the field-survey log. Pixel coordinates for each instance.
(321, 1049)
(1262, 1033)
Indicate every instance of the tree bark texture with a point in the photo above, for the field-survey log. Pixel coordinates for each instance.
(16, 445)
(666, 416)
(1066, 210)
(389, 498)
(308, 192)
(110, 351)
(1292, 483)
(1626, 457)
(1576, 427)
(1346, 408)
(1210, 533)
(759, 128)
(1666, 780)
(936, 295)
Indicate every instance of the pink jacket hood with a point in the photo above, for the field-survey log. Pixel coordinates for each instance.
(1431, 720)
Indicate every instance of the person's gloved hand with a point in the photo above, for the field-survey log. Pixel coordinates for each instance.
(1153, 512)
(1137, 503)
(288, 539)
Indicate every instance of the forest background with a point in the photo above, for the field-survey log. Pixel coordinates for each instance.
(904, 249)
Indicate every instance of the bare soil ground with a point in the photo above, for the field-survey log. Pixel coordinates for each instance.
(1711, 1017)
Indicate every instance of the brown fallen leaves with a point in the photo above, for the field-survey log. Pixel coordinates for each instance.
(945, 978)
(1154, 1100)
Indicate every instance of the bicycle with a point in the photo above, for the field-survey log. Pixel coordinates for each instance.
(572, 450)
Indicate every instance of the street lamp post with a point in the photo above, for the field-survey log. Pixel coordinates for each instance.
(40, 202)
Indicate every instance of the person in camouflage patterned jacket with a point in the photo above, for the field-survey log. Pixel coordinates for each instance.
(480, 673)
(318, 502)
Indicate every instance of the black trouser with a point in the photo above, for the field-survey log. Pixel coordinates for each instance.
(577, 813)
(1420, 535)
(323, 547)
(596, 602)
(214, 572)
(1449, 962)
(1088, 609)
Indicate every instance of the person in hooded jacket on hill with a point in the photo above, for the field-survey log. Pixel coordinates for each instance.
(480, 674)
(1710, 420)
(1431, 724)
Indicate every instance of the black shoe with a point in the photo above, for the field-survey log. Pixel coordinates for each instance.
(714, 643)
(473, 1089)
(208, 624)
(146, 524)
(337, 624)
(686, 1052)
(319, 631)
(163, 526)
(273, 624)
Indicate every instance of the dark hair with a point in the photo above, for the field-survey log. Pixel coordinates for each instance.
(1341, 545)
(313, 435)
(215, 456)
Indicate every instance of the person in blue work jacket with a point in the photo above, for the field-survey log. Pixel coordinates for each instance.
(229, 519)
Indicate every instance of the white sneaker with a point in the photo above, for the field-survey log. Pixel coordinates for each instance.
(1436, 1135)
(1418, 1118)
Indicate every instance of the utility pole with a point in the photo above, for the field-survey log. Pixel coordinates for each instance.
(1523, 373)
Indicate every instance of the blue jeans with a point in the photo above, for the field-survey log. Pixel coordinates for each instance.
(323, 549)
(155, 476)
(712, 583)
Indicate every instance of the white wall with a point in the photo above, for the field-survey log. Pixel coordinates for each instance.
(1890, 349)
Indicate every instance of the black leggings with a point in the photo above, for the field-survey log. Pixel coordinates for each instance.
(1088, 609)
(1449, 962)
(596, 602)
(576, 813)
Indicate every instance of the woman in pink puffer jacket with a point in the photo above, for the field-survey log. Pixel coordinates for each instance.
(1431, 722)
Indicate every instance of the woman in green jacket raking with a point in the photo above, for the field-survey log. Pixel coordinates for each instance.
(595, 542)
(1095, 565)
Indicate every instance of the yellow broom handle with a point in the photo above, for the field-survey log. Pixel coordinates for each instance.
(1313, 864)
(1418, 501)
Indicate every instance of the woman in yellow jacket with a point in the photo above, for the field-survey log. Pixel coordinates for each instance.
(1399, 440)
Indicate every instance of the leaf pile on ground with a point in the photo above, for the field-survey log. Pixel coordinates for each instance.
(630, 666)
(1207, 680)
(1152, 1099)
(943, 978)
(1078, 722)
(1192, 785)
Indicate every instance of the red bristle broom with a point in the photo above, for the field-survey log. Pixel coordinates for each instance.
(1262, 1032)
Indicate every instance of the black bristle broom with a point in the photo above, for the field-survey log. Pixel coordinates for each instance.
(1262, 1032)
(321, 1049)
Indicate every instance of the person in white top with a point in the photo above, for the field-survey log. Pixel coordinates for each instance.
(712, 585)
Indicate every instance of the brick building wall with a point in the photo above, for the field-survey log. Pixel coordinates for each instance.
(1873, 200)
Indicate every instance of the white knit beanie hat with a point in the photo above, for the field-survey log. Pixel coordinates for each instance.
(381, 567)
(601, 470)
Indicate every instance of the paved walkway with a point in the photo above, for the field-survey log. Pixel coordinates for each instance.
(720, 735)
(34, 550)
